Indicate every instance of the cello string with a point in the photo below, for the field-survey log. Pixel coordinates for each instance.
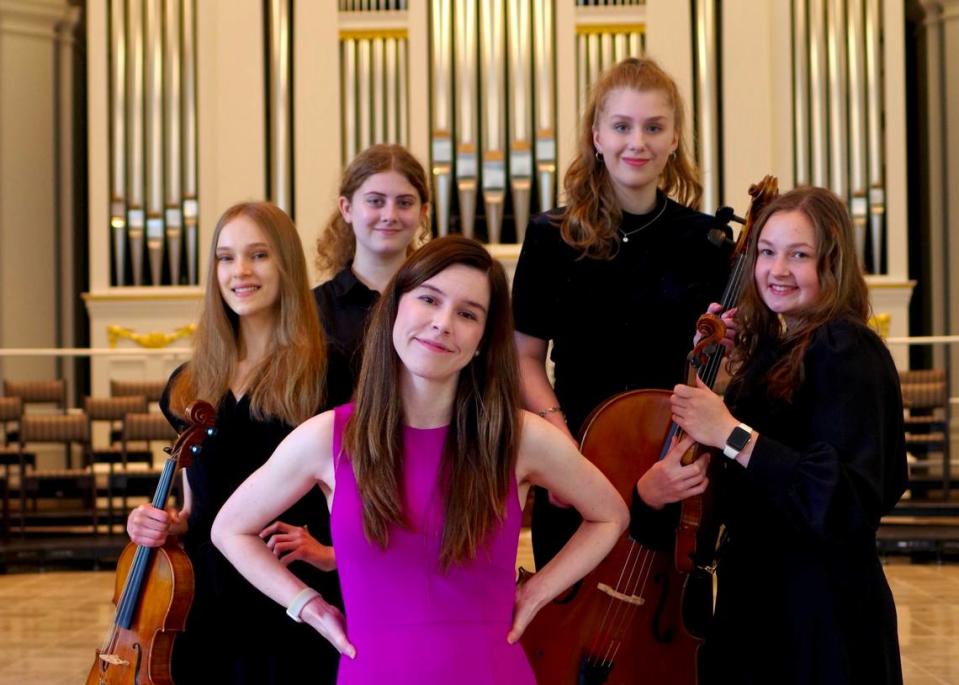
(609, 602)
(613, 604)
(625, 610)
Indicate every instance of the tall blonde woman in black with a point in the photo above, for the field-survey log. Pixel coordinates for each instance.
(260, 359)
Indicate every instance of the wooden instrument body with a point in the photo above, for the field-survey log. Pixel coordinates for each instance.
(154, 586)
(147, 645)
(624, 438)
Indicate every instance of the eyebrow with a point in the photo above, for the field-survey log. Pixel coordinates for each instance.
(248, 246)
(658, 117)
(436, 290)
(379, 194)
(799, 244)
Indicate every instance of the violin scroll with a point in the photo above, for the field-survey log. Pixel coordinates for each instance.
(201, 416)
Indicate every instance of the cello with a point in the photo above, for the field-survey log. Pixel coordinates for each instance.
(622, 624)
(154, 587)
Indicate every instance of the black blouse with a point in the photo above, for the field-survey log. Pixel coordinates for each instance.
(799, 558)
(616, 325)
(258, 642)
(623, 323)
(344, 305)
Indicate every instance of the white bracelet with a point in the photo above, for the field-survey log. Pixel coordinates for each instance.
(303, 597)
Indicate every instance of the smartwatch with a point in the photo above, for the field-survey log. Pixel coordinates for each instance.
(737, 440)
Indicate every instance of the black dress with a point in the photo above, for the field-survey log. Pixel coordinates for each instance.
(344, 304)
(802, 597)
(615, 325)
(234, 633)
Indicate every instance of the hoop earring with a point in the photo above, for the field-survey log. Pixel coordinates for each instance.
(598, 155)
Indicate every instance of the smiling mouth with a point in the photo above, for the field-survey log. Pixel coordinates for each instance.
(781, 289)
(635, 162)
(245, 289)
(433, 346)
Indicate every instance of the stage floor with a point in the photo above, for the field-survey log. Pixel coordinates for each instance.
(51, 623)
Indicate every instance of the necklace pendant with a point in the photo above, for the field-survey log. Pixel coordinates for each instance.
(625, 238)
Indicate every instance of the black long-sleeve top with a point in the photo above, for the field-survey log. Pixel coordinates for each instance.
(801, 593)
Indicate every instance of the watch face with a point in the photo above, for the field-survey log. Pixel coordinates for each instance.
(738, 439)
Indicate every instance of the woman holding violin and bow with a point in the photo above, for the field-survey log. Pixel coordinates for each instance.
(812, 428)
(259, 358)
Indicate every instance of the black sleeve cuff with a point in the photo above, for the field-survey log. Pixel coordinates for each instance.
(654, 529)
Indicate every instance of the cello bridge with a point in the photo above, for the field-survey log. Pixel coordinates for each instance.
(114, 660)
(615, 594)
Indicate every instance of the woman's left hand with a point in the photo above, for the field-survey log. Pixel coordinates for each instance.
(526, 607)
(702, 414)
(729, 319)
(294, 543)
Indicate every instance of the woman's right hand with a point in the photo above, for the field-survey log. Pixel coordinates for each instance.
(328, 621)
(149, 526)
(668, 481)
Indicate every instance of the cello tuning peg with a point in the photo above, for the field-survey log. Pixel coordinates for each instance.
(717, 237)
(196, 449)
(726, 214)
(211, 432)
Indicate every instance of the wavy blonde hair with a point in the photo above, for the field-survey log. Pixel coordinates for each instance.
(593, 214)
(288, 383)
(336, 245)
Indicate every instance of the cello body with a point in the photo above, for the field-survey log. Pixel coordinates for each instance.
(147, 646)
(621, 625)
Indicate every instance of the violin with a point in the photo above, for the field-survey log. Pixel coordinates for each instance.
(623, 623)
(706, 360)
(154, 587)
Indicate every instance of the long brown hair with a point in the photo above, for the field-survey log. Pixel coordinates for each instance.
(480, 450)
(593, 215)
(843, 290)
(288, 383)
(336, 245)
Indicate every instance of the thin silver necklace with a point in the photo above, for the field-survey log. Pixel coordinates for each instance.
(648, 223)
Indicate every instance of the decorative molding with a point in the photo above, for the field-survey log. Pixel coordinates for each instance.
(144, 294)
(880, 323)
(631, 27)
(38, 18)
(373, 34)
(151, 340)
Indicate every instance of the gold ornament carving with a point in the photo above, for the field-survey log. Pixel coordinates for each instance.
(151, 340)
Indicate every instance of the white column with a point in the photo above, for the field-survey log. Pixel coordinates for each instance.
(34, 293)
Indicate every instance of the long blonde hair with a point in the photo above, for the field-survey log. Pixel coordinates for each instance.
(337, 243)
(288, 383)
(593, 214)
(481, 445)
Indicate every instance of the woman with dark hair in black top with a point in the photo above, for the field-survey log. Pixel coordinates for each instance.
(617, 278)
(814, 455)
(382, 215)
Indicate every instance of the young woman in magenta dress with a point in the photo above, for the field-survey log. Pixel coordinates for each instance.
(425, 475)
(259, 358)
(814, 450)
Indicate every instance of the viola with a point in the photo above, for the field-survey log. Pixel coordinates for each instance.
(622, 624)
(154, 587)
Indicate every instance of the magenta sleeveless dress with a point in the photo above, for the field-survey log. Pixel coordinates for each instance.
(410, 621)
